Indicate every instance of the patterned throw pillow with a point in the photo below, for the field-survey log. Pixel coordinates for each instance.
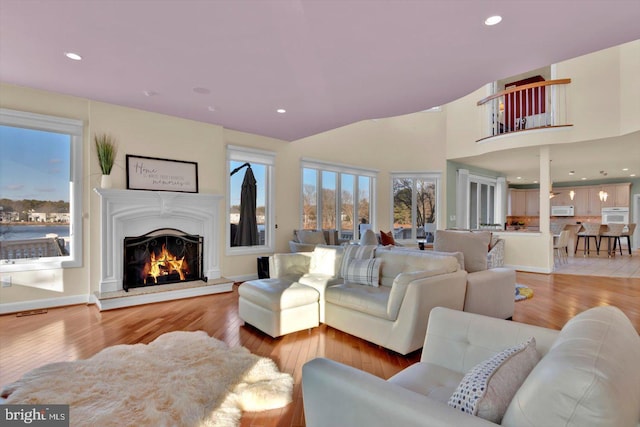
(355, 252)
(487, 389)
(364, 272)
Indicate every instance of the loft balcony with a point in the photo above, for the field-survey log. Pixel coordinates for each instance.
(536, 105)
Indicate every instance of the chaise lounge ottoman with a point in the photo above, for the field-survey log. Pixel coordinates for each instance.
(278, 306)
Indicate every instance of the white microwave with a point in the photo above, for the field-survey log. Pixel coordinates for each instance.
(562, 210)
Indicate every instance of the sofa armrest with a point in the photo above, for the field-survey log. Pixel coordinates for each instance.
(491, 292)
(289, 265)
(339, 395)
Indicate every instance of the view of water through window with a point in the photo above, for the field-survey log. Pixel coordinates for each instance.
(34, 193)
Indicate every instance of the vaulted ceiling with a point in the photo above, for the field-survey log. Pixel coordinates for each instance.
(327, 63)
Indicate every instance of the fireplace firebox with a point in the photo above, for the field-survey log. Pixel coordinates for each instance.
(161, 257)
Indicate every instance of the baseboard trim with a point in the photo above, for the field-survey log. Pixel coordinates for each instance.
(529, 269)
(17, 307)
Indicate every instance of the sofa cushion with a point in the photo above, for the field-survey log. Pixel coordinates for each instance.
(326, 260)
(369, 238)
(332, 237)
(355, 252)
(365, 299)
(590, 376)
(428, 379)
(313, 237)
(474, 246)
(487, 389)
(364, 272)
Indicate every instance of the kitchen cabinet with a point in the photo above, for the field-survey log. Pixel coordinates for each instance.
(562, 198)
(617, 195)
(532, 202)
(587, 201)
(517, 202)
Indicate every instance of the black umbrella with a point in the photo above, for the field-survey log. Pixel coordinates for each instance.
(247, 233)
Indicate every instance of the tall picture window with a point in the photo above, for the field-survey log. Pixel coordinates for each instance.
(40, 191)
(250, 200)
(336, 197)
(415, 205)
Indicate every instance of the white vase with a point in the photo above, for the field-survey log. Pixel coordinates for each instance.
(105, 181)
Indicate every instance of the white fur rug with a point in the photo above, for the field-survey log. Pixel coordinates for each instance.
(180, 379)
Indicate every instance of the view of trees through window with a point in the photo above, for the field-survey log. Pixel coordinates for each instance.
(414, 205)
(349, 201)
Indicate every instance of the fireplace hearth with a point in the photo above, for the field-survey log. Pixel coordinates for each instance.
(161, 257)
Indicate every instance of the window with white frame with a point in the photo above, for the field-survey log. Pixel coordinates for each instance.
(40, 191)
(250, 194)
(415, 205)
(336, 197)
(482, 201)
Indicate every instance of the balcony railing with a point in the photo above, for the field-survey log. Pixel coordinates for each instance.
(43, 247)
(532, 106)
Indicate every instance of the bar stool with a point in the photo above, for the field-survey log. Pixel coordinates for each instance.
(628, 234)
(591, 229)
(614, 231)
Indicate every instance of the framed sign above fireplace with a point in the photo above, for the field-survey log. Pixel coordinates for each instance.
(152, 173)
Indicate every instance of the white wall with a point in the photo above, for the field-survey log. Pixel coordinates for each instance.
(604, 102)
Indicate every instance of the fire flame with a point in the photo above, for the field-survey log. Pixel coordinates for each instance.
(164, 264)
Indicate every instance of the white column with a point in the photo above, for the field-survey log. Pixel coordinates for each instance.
(545, 204)
(462, 199)
(500, 206)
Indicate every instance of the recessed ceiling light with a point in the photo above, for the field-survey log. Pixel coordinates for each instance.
(281, 110)
(633, 174)
(535, 182)
(150, 93)
(73, 56)
(625, 169)
(518, 177)
(583, 178)
(493, 20)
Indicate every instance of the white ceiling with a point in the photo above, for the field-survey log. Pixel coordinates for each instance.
(328, 63)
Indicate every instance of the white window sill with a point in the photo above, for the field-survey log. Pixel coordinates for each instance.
(14, 266)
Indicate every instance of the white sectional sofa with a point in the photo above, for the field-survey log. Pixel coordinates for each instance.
(393, 313)
(587, 375)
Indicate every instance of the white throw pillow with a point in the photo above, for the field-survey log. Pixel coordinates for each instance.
(488, 388)
(325, 260)
(364, 272)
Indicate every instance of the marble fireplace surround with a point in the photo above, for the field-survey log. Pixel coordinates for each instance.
(127, 213)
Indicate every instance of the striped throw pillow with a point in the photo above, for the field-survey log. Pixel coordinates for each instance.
(364, 272)
(355, 252)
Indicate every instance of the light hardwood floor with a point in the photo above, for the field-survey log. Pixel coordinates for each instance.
(77, 332)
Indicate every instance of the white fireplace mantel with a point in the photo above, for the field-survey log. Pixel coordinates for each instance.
(128, 213)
